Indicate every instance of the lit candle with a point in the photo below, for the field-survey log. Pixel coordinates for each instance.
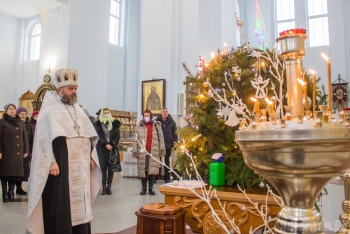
(304, 85)
(329, 81)
(271, 106)
(212, 55)
(313, 92)
(256, 106)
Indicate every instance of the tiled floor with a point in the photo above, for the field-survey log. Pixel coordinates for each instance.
(116, 212)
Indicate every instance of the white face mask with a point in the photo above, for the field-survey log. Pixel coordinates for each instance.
(35, 118)
(106, 115)
(147, 119)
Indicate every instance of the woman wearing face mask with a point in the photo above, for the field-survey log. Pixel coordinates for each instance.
(109, 135)
(13, 148)
(33, 120)
(150, 132)
(22, 113)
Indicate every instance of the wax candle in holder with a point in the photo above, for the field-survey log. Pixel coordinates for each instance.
(263, 117)
(273, 119)
(323, 108)
(319, 118)
(308, 114)
(254, 125)
(300, 119)
(288, 112)
(256, 110)
(283, 123)
(341, 116)
(243, 123)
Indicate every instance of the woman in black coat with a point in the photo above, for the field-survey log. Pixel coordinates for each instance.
(109, 135)
(23, 113)
(13, 148)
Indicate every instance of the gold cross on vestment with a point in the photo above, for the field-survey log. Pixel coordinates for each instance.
(76, 127)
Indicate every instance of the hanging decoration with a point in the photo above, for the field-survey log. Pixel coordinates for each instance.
(340, 94)
(260, 29)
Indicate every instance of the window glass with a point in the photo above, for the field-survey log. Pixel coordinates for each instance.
(34, 42)
(317, 7)
(318, 31)
(285, 9)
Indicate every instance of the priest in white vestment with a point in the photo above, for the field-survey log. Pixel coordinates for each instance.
(65, 174)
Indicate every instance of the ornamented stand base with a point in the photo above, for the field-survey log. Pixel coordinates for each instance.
(345, 217)
(296, 220)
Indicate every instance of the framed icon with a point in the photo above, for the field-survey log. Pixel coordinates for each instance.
(153, 95)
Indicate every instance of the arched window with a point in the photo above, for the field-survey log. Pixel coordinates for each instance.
(116, 23)
(34, 42)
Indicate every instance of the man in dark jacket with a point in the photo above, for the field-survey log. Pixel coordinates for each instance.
(170, 138)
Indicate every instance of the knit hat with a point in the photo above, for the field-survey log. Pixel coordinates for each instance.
(35, 113)
(8, 105)
(65, 77)
(21, 109)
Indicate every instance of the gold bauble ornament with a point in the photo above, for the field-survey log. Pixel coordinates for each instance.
(240, 23)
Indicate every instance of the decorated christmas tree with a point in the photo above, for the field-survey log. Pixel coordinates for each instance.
(226, 87)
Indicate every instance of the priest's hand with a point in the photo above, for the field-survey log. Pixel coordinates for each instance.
(109, 147)
(54, 170)
(92, 164)
(25, 155)
(0, 156)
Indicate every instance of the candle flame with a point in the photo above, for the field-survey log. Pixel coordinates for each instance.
(206, 64)
(268, 101)
(303, 83)
(225, 44)
(253, 99)
(212, 55)
(196, 137)
(312, 71)
(325, 57)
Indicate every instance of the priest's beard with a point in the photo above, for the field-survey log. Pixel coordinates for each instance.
(70, 100)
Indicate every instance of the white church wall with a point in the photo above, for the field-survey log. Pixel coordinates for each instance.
(346, 24)
(131, 96)
(8, 47)
(228, 23)
(54, 42)
(156, 44)
(169, 36)
(188, 44)
(88, 51)
(209, 28)
(115, 81)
